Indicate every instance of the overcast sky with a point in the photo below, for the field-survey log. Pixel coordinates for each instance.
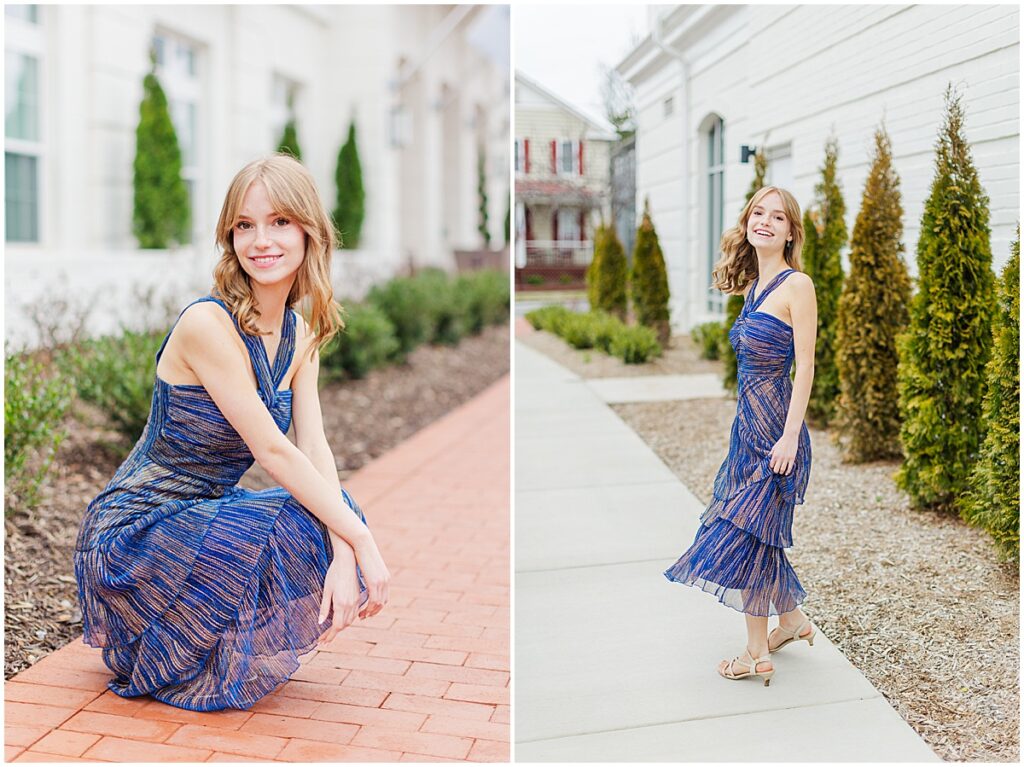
(562, 46)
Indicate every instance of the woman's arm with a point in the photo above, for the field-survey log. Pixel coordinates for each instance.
(209, 348)
(803, 309)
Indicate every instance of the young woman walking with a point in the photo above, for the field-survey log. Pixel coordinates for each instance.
(203, 594)
(738, 553)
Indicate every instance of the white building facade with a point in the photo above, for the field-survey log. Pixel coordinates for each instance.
(427, 88)
(713, 80)
(562, 172)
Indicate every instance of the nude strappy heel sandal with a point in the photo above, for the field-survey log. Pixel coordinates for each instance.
(751, 668)
(794, 636)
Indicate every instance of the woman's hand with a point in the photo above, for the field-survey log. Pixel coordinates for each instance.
(375, 575)
(341, 591)
(782, 456)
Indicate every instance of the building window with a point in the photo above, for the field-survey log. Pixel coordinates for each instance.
(23, 123)
(567, 157)
(780, 166)
(177, 68)
(714, 136)
(283, 102)
(568, 225)
(522, 157)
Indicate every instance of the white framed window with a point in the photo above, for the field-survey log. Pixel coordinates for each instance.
(24, 71)
(780, 166)
(521, 158)
(283, 100)
(714, 180)
(177, 68)
(567, 157)
(568, 224)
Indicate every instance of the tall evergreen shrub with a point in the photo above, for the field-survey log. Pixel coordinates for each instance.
(734, 304)
(350, 207)
(944, 352)
(608, 273)
(161, 214)
(481, 193)
(872, 312)
(993, 498)
(649, 280)
(289, 143)
(824, 266)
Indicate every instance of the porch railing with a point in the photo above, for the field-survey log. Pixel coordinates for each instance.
(559, 252)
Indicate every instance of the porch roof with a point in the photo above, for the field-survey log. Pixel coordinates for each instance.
(558, 192)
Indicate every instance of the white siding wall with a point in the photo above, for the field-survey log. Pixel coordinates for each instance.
(789, 75)
(343, 57)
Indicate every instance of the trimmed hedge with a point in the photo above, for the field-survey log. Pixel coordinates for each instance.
(945, 350)
(633, 344)
(993, 500)
(368, 341)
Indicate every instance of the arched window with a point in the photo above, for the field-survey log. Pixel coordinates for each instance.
(713, 137)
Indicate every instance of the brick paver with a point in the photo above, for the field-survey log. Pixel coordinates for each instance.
(426, 680)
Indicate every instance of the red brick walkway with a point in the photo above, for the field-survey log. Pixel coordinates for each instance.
(426, 680)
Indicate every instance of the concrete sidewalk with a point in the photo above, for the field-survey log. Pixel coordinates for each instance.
(426, 680)
(615, 663)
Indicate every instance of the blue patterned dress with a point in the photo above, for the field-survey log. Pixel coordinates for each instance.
(202, 594)
(738, 553)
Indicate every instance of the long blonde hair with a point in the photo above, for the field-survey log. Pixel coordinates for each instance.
(292, 193)
(738, 265)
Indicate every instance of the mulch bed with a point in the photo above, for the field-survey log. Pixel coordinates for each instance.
(363, 419)
(918, 601)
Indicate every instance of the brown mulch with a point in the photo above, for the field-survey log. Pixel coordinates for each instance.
(918, 601)
(363, 419)
(681, 357)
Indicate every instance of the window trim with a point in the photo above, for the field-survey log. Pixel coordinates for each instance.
(29, 39)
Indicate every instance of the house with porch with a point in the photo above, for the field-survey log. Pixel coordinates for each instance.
(562, 161)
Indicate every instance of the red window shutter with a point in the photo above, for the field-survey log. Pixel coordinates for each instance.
(554, 157)
(526, 155)
(554, 224)
(583, 223)
(581, 157)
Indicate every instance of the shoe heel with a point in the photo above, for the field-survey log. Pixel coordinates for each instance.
(768, 677)
(810, 639)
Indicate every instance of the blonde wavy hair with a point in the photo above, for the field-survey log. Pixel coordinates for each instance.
(738, 265)
(292, 192)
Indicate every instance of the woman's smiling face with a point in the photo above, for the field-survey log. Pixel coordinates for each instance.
(768, 225)
(270, 246)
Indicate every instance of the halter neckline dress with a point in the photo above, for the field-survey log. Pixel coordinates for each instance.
(738, 553)
(201, 593)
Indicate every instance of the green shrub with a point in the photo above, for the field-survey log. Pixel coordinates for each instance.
(944, 352)
(608, 273)
(993, 499)
(635, 344)
(35, 404)
(446, 307)
(648, 281)
(116, 373)
(578, 331)
(368, 341)
(161, 212)
(535, 279)
(605, 328)
(289, 143)
(548, 318)
(826, 236)
(404, 303)
(872, 312)
(350, 205)
(487, 295)
(709, 336)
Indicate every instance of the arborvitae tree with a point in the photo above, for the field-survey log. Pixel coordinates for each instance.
(348, 177)
(289, 143)
(608, 273)
(481, 193)
(944, 352)
(823, 265)
(161, 213)
(993, 498)
(508, 220)
(649, 280)
(872, 312)
(734, 304)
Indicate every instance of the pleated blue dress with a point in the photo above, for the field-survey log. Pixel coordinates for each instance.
(738, 554)
(202, 594)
